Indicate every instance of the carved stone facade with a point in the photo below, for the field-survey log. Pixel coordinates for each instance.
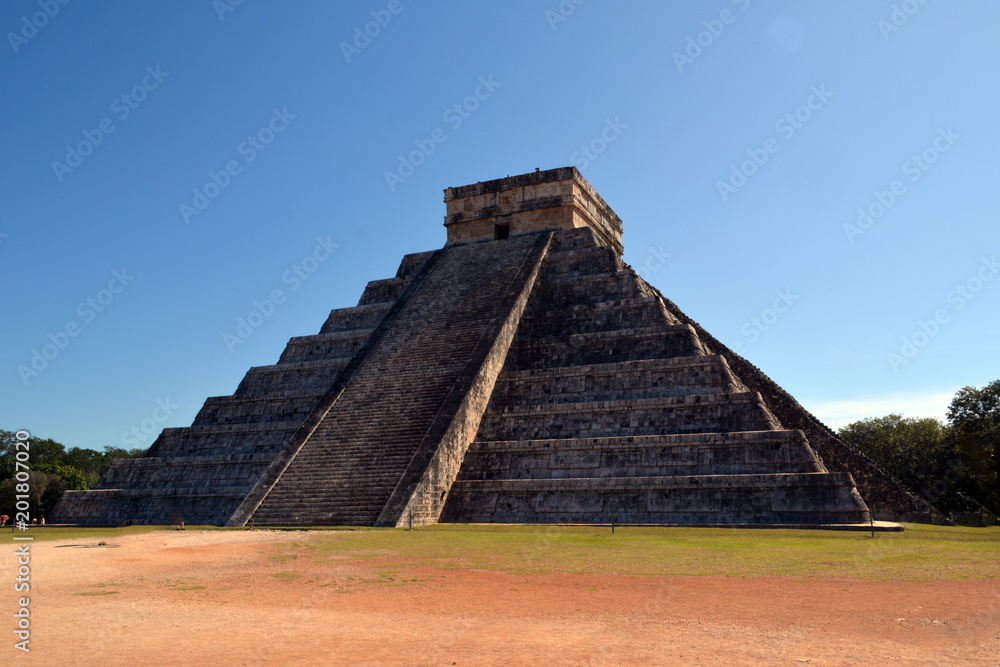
(553, 199)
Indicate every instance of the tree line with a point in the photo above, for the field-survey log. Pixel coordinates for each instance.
(952, 465)
(53, 470)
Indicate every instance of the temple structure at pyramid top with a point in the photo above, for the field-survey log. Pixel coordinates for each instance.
(552, 199)
(522, 373)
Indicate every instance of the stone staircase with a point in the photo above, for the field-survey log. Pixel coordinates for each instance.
(203, 472)
(608, 409)
(347, 470)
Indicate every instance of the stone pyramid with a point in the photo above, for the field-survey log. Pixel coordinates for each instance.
(521, 374)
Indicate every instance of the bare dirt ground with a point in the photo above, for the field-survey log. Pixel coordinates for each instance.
(236, 598)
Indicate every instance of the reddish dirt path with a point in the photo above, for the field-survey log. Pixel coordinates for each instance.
(227, 598)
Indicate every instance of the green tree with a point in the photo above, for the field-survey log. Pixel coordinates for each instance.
(915, 451)
(119, 453)
(974, 416)
(53, 470)
(84, 459)
(43, 491)
(74, 479)
(41, 451)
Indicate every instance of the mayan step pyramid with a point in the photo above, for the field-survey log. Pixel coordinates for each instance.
(521, 374)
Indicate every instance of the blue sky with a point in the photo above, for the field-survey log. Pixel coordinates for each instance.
(167, 165)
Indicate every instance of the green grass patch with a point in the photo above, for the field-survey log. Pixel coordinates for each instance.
(93, 593)
(48, 533)
(920, 553)
(282, 558)
(286, 575)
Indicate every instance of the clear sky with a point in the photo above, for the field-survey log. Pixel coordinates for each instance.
(816, 183)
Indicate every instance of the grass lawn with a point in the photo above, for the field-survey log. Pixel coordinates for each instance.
(921, 552)
(47, 533)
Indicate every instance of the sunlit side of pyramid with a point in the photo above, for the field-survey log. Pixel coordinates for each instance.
(521, 374)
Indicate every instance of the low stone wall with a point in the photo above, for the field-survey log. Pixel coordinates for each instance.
(700, 413)
(607, 347)
(705, 374)
(744, 453)
(790, 499)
